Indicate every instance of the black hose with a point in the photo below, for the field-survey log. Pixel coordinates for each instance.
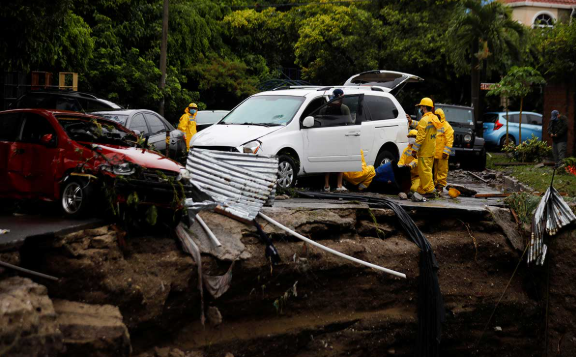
(430, 303)
(270, 251)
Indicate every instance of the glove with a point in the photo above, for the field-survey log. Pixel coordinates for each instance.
(414, 154)
(444, 156)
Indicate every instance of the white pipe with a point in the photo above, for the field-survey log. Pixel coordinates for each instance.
(330, 250)
(208, 231)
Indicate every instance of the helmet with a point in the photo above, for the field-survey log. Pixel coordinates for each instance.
(412, 133)
(193, 106)
(426, 102)
(440, 113)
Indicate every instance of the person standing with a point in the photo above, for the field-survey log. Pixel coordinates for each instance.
(558, 130)
(425, 146)
(337, 108)
(444, 142)
(187, 123)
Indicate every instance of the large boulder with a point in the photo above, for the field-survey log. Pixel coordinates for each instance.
(28, 325)
(92, 330)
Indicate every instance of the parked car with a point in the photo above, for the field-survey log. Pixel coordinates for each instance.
(495, 127)
(206, 118)
(67, 157)
(64, 100)
(299, 126)
(153, 125)
(468, 148)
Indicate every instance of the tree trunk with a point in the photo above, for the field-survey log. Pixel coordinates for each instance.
(507, 120)
(475, 76)
(163, 50)
(520, 122)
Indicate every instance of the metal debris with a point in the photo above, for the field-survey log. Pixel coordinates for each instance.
(240, 183)
(4, 231)
(551, 215)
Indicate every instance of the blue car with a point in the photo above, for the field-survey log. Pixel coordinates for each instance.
(494, 124)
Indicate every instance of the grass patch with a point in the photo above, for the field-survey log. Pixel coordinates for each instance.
(537, 178)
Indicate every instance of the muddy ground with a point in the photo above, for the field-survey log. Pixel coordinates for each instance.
(313, 303)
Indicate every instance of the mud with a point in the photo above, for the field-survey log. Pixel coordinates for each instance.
(316, 304)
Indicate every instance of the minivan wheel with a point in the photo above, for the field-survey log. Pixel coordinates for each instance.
(76, 196)
(286, 171)
(384, 157)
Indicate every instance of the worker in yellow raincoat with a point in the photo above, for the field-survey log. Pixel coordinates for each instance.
(444, 142)
(361, 178)
(406, 159)
(425, 146)
(187, 123)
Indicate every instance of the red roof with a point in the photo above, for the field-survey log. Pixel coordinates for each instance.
(557, 2)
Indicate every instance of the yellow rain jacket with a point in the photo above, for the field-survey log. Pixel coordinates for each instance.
(365, 176)
(444, 138)
(425, 144)
(406, 159)
(187, 125)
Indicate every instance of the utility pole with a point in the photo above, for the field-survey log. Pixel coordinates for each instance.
(163, 49)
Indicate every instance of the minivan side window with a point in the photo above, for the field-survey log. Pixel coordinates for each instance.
(155, 124)
(138, 123)
(314, 105)
(380, 108)
(35, 127)
(10, 125)
(340, 112)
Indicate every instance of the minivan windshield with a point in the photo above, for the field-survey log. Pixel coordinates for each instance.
(265, 110)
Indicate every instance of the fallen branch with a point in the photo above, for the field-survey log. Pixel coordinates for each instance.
(477, 177)
(330, 250)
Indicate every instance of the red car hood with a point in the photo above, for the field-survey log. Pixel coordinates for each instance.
(145, 158)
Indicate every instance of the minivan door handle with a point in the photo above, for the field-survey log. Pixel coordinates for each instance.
(353, 134)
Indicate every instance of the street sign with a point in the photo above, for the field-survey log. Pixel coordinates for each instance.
(486, 86)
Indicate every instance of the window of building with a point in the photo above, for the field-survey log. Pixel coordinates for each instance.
(544, 20)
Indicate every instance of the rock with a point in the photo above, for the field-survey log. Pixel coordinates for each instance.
(538, 166)
(498, 329)
(402, 196)
(162, 352)
(490, 176)
(92, 330)
(106, 241)
(416, 197)
(28, 320)
(504, 219)
(229, 355)
(97, 231)
(282, 197)
(214, 316)
(371, 229)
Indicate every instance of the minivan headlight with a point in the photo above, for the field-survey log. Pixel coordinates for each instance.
(124, 169)
(467, 138)
(251, 147)
(184, 174)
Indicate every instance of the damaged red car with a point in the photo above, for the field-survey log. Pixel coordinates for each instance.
(81, 160)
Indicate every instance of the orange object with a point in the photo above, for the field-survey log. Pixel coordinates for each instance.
(452, 192)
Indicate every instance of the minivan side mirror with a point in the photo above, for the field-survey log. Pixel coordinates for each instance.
(308, 122)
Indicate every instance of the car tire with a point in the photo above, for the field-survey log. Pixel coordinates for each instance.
(76, 197)
(287, 171)
(383, 157)
(503, 140)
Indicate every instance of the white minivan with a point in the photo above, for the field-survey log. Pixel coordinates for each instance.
(311, 132)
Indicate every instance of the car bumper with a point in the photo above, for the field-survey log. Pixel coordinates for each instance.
(153, 193)
(463, 153)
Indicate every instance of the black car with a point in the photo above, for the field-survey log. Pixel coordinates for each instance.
(152, 125)
(206, 118)
(468, 147)
(64, 100)
(468, 142)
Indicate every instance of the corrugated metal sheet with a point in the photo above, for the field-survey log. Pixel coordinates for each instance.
(241, 183)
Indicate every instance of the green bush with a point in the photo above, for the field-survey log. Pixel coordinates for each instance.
(531, 150)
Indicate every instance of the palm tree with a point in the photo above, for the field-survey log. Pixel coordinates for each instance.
(483, 35)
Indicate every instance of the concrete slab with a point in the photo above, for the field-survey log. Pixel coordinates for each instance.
(28, 226)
